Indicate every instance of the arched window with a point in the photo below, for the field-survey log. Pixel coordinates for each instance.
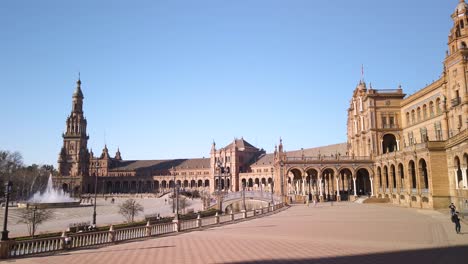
(389, 143)
(402, 176)
(424, 109)
(431, 109)
(438, 106)
(407, 119)
(418, 113)
(413, 116)
(412, 171)
(463, 44)
(423, 174)
(392, 173)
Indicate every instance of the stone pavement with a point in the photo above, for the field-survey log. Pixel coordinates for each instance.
(342, 233)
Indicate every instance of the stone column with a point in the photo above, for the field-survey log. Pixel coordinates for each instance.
(464, 177)
(338, 197)
(372, 186)
(321, 189)
(354, 184)
(455, 172)
(303, 186)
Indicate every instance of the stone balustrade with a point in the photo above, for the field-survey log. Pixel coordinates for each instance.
(13, 248)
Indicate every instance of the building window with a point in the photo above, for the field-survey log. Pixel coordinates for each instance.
(424, 112)
(392, 121)
(431, 109)
(407, 119)
(418, 111)
(384, 121)
(439, 109)
(438, 131)
(413, 117)
(423, 132)
(410, 138)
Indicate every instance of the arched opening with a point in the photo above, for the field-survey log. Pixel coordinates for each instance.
(156, 186)
(459, 174)
(193, 184)
(312, 184)
(412, 171)
(200, 183)
(423, 175)
(133, 187)
(207, 183)
(244, 183)
(401, 172)
(463, 44)
(109, 187)
(164, 184)
(186, 184)
(379, 177)
(347, 186)
(257, 183)
(328, 184)
(393, 175)
(171, 184)
(385, 172)
(125, 187)
(431, 109)
(117, 187)
(179, 183)
(438, 106)
(250, 185)
(296, 186)
(363, 183)
(424, 110)
(389, 143)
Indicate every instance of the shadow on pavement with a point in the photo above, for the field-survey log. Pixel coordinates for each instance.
(448, 255)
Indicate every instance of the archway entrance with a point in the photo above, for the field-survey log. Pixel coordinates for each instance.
(363, 184)
(389, 143)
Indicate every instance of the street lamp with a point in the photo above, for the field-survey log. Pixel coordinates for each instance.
(176, 217)
(174, 186)
(95, 194)
(281, 179)
(243, 195)
(271, 185)
(8, 187)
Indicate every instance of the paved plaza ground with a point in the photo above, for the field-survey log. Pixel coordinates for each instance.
(342, 233)
(107, 213)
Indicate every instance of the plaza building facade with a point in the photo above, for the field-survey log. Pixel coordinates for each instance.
(409, 149)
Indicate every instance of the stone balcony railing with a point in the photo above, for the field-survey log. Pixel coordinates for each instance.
(13, 249)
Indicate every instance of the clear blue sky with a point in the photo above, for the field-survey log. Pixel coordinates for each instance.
(162, 79)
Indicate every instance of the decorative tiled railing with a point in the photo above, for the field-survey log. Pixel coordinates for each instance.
(12, 248)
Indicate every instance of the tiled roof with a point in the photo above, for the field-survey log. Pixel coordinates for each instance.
(180, 164)
(340, 148)
(268, 159)
(241, 144)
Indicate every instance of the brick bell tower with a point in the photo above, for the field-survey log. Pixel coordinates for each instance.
(73, 161)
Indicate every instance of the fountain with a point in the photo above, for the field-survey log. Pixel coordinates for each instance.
(50, 198)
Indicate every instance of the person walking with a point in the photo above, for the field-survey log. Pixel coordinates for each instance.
(456, 220)
(452, 208)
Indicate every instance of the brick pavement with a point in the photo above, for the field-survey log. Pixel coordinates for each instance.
(343, 233)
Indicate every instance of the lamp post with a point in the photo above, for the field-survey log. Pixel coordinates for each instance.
(8, 187)
(174, 186)
(281, 180)
(176, 217)
(243, 195)
(271, 185)
(95, 194)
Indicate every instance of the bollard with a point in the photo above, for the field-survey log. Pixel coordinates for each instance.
(5, 249)
(199, 222)
(111, 237)
(176, 225)
(148, 228)
(216, 218)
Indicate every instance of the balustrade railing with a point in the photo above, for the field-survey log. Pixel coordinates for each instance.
(36, 246)
(82, 240)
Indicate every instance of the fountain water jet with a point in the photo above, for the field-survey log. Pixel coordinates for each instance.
(50, 198)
